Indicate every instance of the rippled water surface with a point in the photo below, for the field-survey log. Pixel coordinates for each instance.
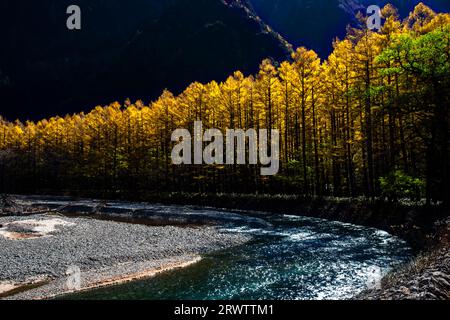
(291, 258)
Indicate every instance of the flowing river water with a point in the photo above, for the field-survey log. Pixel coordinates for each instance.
(290, 258)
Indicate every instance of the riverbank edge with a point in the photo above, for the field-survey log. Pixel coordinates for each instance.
(417, 224)
(96, 279)
(412, 222)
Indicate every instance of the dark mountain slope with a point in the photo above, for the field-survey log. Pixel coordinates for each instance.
(315, 23)
(125, 49)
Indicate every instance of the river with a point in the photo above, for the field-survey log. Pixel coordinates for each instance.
(290, 258)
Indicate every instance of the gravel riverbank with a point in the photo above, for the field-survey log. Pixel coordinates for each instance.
(37, 251)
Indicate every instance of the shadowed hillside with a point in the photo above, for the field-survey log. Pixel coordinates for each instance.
(123, 50)
(315, 23)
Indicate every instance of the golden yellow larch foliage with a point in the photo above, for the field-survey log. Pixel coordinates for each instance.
(344, 123)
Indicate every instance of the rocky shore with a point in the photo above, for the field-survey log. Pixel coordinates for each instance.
(427, 277)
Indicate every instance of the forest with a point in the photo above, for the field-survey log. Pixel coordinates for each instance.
(370, 120)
